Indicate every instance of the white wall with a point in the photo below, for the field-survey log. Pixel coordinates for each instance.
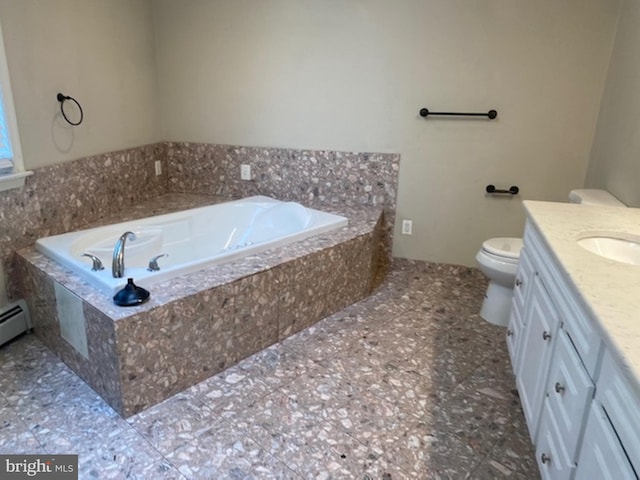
(102, 52)
(331, 74)
(615, 157)
(352, 75)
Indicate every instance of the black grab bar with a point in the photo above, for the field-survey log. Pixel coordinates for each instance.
(491, 114)
(493, 190)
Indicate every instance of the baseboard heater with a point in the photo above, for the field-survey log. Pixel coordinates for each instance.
(14, 320)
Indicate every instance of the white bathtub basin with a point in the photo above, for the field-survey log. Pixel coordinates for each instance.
(193, 239)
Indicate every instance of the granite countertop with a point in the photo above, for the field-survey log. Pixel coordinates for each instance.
(609, 290)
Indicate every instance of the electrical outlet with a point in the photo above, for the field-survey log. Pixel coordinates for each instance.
(407, 227)
(245, 172)
(158, 165)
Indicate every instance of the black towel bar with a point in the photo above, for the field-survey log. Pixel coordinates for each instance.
(491, 114)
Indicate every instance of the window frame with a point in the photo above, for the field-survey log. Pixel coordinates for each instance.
(17, 177)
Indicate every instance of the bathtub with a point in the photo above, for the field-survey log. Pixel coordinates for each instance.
(191, 240)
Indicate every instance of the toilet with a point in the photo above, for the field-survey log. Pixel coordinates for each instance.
(498, 260)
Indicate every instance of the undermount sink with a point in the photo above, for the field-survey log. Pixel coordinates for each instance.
(614, 246)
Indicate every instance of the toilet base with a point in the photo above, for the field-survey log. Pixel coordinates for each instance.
(496, 307)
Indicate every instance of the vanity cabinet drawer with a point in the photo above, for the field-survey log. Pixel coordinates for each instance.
(569, 393)
(601, 455)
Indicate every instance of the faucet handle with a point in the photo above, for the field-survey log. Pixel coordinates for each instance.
(97, 264)
(153, 263)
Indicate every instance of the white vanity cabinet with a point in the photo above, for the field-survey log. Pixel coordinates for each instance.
(582, 417)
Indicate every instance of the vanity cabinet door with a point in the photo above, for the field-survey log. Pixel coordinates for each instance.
(514, 337)
(568, 395)
(516, 320)
(524, 276)
(621, 403)
(554, 460)
(601, 455)
(541, 325)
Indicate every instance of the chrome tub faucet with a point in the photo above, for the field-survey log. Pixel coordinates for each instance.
(153, 263)
(97, 264)
(117, 266)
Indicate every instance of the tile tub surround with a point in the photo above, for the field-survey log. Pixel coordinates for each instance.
(73, 195)
(311, 177)
(70, 195)
(202, 323)
(407, 383)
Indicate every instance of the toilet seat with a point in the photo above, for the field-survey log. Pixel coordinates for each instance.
(507, 248)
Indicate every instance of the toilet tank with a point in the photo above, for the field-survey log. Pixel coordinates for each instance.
(594, 196)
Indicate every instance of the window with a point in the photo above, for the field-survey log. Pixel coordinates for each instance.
(6, 154)
(12, 172)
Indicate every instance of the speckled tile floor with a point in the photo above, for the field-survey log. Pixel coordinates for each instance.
(409, 383)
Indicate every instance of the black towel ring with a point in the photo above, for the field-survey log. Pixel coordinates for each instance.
(61, 98)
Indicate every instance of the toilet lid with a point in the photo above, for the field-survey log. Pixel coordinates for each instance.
(503, 246)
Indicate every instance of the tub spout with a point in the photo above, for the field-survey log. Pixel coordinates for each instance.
(117, 266)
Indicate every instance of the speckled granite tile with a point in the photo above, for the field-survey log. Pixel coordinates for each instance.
(162, 470)
(277, 365)
(249, 461)
(255, 340)
(322, 389)
(408, 391)
(173, 423)
(320, 175)
(119, 453)
(15, 435)
(231, 390)
(256, 301)
(312, 446)
(72, 427)
(479, 411)
(447, 368)
(304, 299)
(220, 452)
(271, 302)
(425, 453)
(362, 220)
(362, 405)
(492, 469)
(70, 195)
(313, 177)
(100, 370)
(22, 361)
(390, 300)
(318, 344)
(55, 387)
(511, 457)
